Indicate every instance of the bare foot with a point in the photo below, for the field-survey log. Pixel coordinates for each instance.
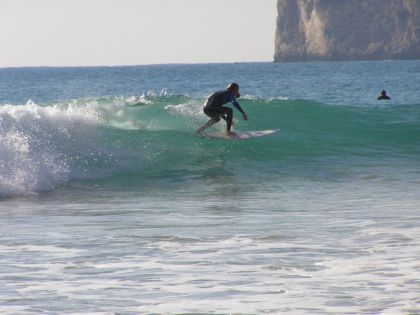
(231, 134)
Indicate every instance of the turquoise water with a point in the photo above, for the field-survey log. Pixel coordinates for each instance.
(111, 205)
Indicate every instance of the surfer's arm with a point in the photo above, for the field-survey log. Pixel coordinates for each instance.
(238, 107)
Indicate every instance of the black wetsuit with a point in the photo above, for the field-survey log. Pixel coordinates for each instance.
(215, 110)
(383, 97)
(214, 105)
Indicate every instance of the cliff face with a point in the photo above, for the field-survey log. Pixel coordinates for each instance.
(347, 30)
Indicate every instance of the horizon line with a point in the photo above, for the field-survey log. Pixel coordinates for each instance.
(137, 65)
(201, 63)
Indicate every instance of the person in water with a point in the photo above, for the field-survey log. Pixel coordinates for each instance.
(383, 96)
(215, 110)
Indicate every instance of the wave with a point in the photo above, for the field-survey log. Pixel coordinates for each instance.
(45, 146)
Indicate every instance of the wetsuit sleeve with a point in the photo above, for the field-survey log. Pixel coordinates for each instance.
(237, 106)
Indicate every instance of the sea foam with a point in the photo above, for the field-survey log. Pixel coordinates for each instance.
(35, 141)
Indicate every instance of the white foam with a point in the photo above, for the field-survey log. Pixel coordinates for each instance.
(190, 109)
(139, 100)
(279, 98)
(48, 249)
(40, 145)
(361, 273)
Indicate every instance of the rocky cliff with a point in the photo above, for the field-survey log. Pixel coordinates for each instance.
(347, 30)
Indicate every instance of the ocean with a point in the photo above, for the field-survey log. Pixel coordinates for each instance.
(110, 204)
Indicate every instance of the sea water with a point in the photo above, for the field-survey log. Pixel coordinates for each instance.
(111, 205)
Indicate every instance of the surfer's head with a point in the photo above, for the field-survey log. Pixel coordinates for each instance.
(383, 93)
(234, 88)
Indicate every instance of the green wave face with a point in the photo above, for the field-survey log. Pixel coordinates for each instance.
(311, 136)
(305, 126)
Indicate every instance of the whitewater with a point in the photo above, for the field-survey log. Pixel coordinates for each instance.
(110, 204)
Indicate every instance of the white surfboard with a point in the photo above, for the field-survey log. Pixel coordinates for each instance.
(245, 135)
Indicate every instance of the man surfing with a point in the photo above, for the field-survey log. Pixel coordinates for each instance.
(215, 110)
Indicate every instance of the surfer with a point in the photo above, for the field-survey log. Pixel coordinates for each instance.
(215, 110)
(383, 96)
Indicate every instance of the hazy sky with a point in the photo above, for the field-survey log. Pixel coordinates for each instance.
(131, 32)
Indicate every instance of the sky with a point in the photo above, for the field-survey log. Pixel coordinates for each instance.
(135, 32)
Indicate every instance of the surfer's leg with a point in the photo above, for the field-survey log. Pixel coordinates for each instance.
(228, 116)
(208, 124)
(215, 118)
(225, 119)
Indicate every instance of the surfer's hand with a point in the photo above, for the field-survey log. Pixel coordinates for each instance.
(245, 116)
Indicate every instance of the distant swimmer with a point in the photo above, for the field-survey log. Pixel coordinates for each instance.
(383, 96)
(215, 110)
